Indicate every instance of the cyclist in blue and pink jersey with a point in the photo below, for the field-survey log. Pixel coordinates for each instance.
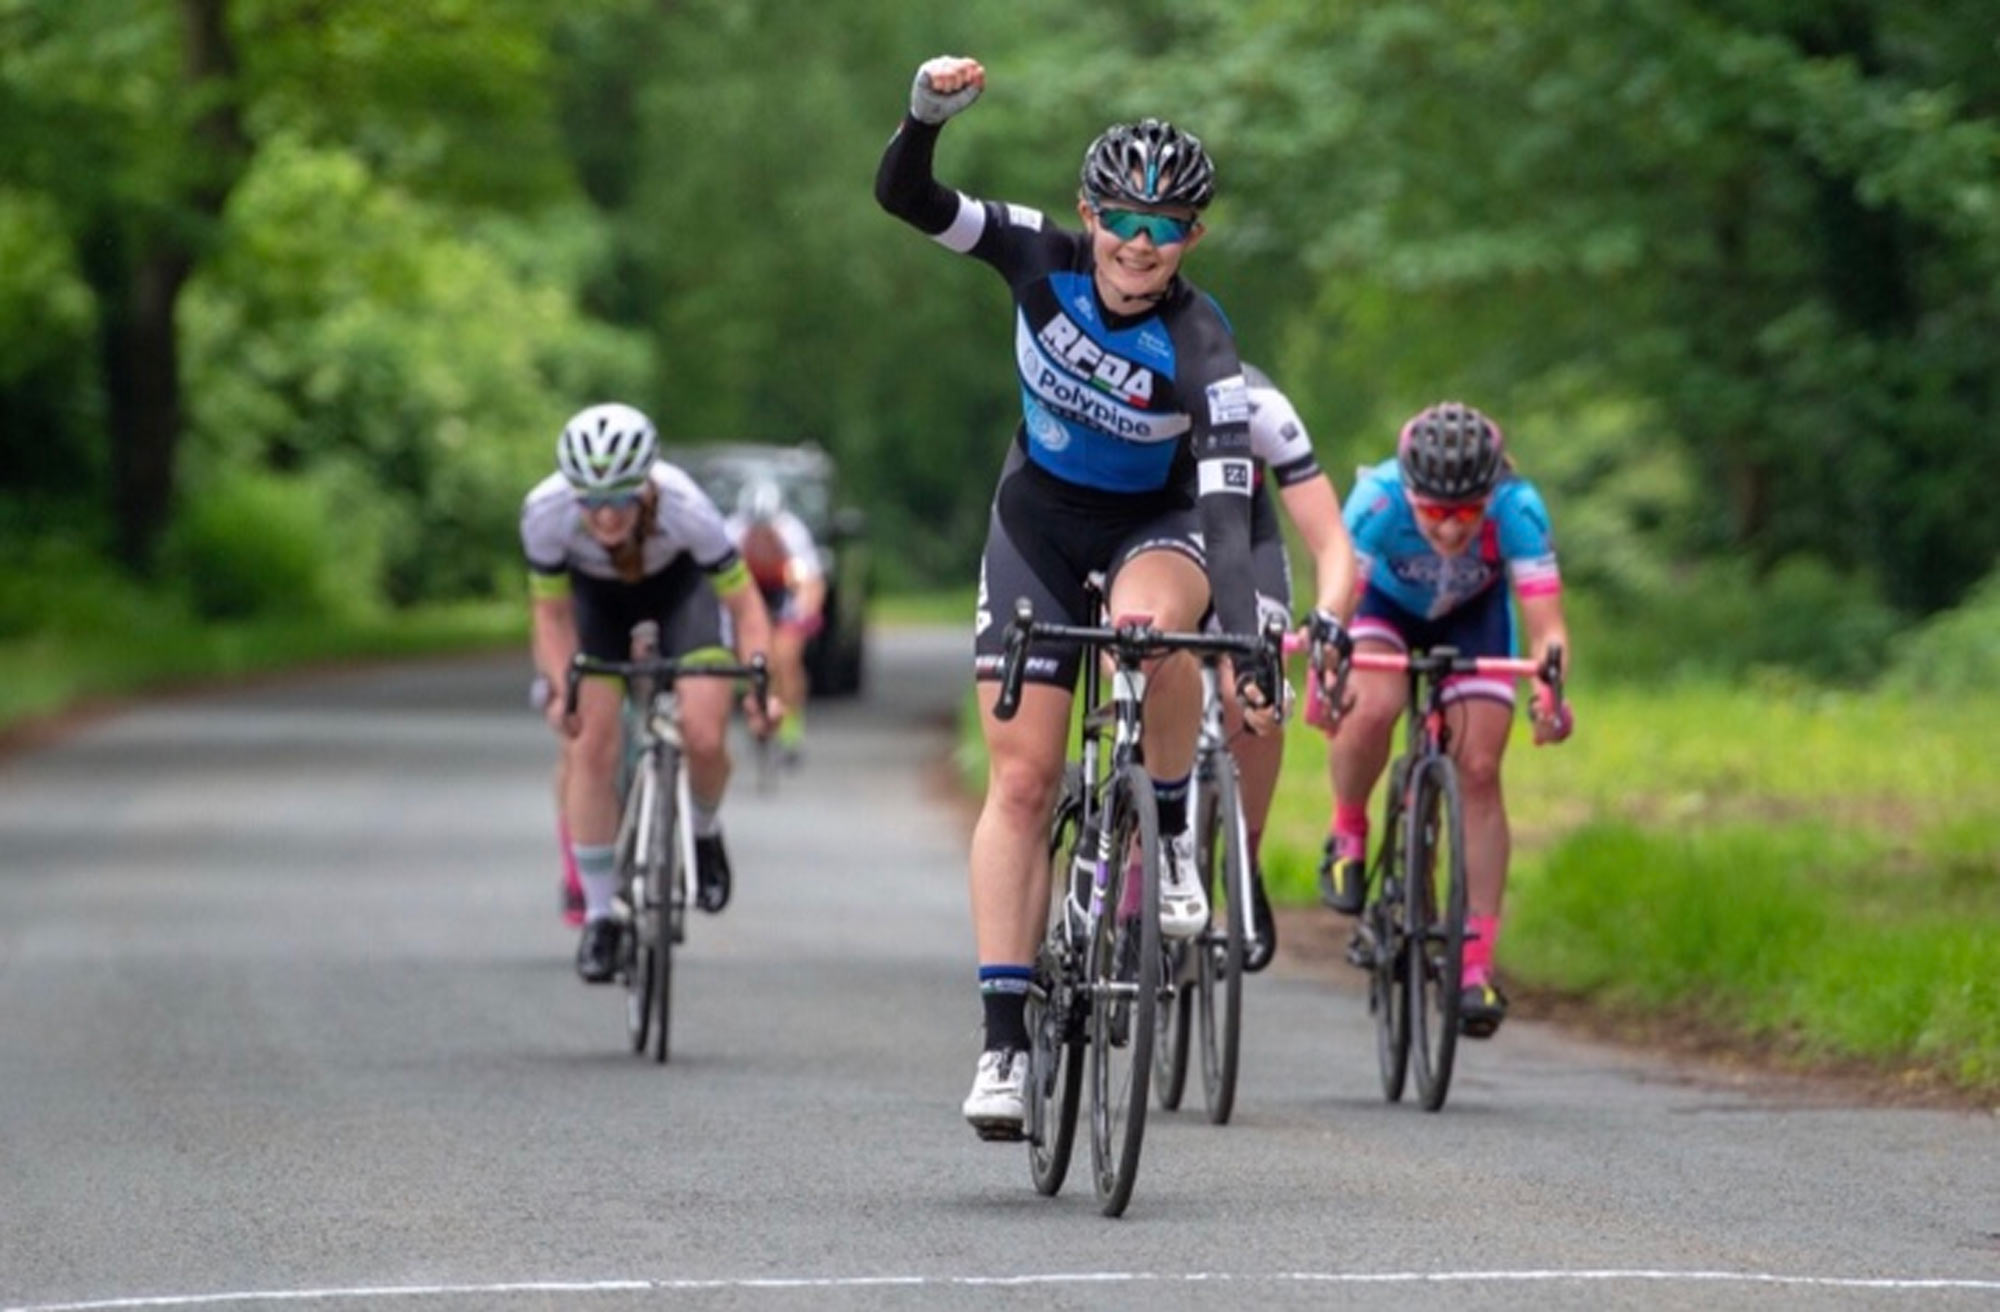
(1285, 457)
(1132, 459)
(1442, 531)
(617, 536)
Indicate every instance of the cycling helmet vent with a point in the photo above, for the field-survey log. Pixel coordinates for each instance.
(1150, 162)
(607, 448)
(1450, 452)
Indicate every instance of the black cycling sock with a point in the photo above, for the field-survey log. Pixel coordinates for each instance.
(1003, 990)
(1172, 796)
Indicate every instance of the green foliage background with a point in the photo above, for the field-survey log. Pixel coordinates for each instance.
(1730, 273)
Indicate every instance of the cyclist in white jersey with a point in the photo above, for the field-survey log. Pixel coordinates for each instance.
(1284, 453)
(617, 536)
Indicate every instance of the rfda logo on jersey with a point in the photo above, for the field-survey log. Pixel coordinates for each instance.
(1129, 382)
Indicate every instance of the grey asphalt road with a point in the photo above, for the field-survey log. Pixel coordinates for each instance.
(287, 1017)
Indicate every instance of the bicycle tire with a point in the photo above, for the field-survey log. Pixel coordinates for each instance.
(1124, 979)
(636, 964)
(1174, 1020)
(1225, 858)
(1388, 993)
(1055, 1042)
(667, 879)
(1436, 911)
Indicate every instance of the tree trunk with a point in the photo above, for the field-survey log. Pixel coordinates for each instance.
(141, 364)
(138, 277)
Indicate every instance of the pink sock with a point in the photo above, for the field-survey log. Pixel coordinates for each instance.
(1481, 933)
(562, 842)
(1130, 892)
(1350, 829)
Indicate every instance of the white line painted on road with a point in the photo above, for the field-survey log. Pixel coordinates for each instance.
(384, 1292)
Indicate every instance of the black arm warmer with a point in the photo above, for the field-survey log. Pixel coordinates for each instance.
(904, 185)
(1225, 536)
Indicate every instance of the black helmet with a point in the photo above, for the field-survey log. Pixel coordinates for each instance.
(1451, 452)
(1150, 162)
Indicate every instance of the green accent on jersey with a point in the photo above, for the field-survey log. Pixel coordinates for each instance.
(547, 587)
(733, 579)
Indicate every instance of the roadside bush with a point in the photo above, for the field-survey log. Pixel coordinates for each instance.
(1720, 619)
(260, 544)
(1957, 651)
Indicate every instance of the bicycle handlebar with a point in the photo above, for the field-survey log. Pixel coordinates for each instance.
(669, 670)
(1137, 638)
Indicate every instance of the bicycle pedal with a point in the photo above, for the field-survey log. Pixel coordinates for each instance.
(1000, 1131)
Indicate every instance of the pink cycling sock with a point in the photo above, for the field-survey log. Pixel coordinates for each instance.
(1350, 829)
(1481, 933)
(1130, 891)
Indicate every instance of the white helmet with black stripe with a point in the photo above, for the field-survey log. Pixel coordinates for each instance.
(607, 449)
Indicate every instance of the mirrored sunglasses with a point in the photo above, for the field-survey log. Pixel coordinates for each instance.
(609, 500)
(1164, 229)
(1437, 512)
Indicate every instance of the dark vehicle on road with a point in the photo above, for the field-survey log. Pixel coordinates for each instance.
(809, 481)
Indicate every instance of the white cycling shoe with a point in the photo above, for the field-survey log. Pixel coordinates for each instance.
(1183, 904)
(997, 1105)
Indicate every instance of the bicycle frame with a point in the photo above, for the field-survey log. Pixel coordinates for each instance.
(1130, 642)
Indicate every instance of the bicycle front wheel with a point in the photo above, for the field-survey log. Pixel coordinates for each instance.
(1436, 910)
(1055, 1040)
(1386, 921)
(1124, 961)
(635, 960)
(1225, 866)
(666, 883)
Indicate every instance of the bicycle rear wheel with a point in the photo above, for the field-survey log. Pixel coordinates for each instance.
(1124, 980)
(1385, 918)
(665, 895)
(1225, 867)
(1436, 912)
(1055, 1040)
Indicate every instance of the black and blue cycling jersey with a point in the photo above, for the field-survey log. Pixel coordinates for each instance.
(1151, 405)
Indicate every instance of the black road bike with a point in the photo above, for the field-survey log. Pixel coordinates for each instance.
(1410, 936)
(1101, 972)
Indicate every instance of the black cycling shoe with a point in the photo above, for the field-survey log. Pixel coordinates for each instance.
(711, 874)
(1343, 880)
(597, 951)
(1481, 1008)
(1258, 953)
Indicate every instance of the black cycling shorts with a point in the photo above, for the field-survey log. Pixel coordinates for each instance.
(679, 597)
(1044, 540)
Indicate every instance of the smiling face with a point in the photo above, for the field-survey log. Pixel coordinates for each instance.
(1137, 250)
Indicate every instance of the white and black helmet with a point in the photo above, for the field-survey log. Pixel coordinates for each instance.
(607, 449)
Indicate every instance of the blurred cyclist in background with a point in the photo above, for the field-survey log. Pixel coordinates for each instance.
(784, 563)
